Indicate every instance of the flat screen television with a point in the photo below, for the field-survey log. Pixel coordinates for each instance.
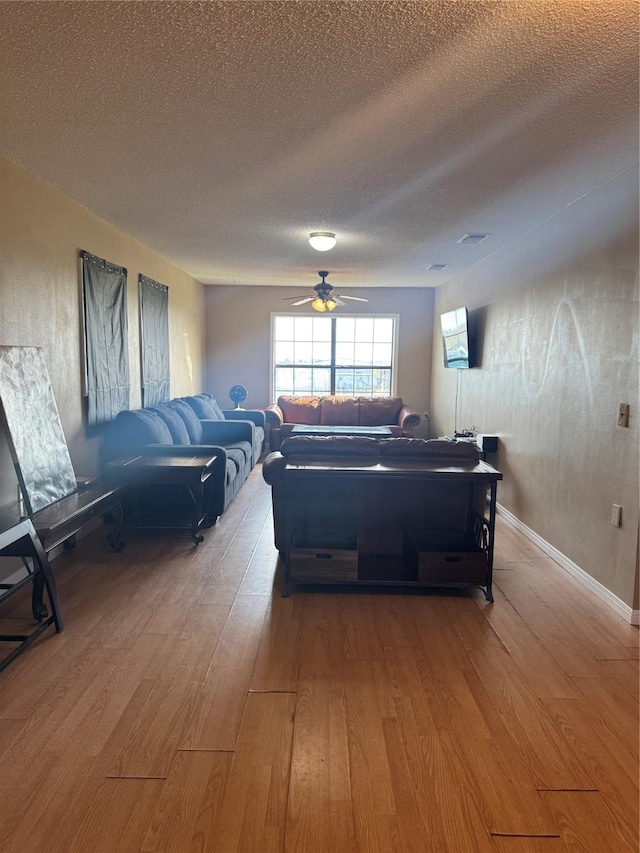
(455, 338)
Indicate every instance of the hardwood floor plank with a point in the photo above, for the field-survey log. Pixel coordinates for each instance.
(546, 679)
(586, 822)
(450, 818)
(614, 765)
(521, 719)
(370, 775)
(117, 817)
(253, 813)
(614, 704)
(320, 811)
(39, 826)
(395, 623)
(276, 666)
(153, 739)
(567, 648)
(189, 803)
(515, 844)
(214, 715)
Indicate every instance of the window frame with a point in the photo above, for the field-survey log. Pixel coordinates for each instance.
(382, 316)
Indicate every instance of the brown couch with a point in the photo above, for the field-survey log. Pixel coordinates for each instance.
(333, 410)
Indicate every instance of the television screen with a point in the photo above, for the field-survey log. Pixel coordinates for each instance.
(455, 338)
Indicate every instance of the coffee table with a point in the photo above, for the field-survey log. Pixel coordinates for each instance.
(368, 431)
(193, 472)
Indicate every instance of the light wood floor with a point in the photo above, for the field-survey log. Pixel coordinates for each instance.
(188, 707)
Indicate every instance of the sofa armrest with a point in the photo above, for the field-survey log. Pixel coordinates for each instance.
(273, 467)
(274, 416)
(223, 432)
(408, 419)
(254, 415)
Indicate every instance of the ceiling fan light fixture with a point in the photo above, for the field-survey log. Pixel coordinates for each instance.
(330, 304)
(322, 241)
(319, 304)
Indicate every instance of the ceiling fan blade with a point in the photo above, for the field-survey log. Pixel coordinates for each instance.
(354, 298)
(299, 296)
(303, 300)
(337, 299)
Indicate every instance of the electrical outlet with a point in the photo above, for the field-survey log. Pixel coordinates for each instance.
(623, 415)
(616, 515)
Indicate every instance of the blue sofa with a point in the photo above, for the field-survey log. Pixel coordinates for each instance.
(186, 426)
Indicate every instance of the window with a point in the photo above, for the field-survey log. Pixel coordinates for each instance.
(333, 355)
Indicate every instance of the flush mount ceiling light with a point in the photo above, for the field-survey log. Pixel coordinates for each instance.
(322, 241)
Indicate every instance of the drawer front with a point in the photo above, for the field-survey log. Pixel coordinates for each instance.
(452, 567)
(323, 565)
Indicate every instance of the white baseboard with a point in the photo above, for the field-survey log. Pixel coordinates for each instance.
(604, 594)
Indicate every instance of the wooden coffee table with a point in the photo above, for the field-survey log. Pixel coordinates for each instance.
(193, 472)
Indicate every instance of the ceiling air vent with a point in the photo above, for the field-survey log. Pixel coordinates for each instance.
(473, 238)
(436, 267)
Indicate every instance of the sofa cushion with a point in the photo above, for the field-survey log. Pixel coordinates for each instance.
(464, 451)
(174, 423)
(379, 411)
(240, 450)
(205, 406)
(339, 411)
(191, 420)
(300, 410)
(140, 426)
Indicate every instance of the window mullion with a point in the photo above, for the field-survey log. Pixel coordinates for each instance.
(333, 355)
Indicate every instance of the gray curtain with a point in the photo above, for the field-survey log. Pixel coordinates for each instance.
(154, 340)
(104, 293)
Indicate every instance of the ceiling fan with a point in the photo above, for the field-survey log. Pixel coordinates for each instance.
(325, 299)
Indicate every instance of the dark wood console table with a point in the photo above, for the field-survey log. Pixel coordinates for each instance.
(18, 538)
(192, 472)
(393, 522)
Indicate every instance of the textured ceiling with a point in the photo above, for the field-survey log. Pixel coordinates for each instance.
(220, 134)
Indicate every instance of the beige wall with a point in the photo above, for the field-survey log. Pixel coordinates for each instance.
(238, 339)
(41, 232)
(558, 316)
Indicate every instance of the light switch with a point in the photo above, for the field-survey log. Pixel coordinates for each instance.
(623, 415)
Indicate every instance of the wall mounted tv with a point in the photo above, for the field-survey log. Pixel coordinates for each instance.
(455, 338)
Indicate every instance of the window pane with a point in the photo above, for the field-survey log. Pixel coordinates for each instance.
(381, 354)
(345, 328)
(363, 382)
(344, 353)
(363, 354)
(303, 351)
(381, 382)
(344, 382)
(322, 353)
(302, 380)
(283, 352)
(364, 329)
(283, 329)
(303, 328)
(383, 329)
(322, 329)
(283, 381)
(321, 381)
